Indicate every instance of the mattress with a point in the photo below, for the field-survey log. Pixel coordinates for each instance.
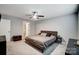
(40, 42)
(41, 38)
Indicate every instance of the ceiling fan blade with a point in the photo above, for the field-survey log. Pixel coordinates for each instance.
(40, 15)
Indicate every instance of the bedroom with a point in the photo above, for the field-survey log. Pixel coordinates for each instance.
(19, 21)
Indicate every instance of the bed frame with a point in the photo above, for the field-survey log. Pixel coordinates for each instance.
(55, 33)
(34, 43)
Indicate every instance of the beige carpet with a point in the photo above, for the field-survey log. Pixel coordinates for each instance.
(21, 48)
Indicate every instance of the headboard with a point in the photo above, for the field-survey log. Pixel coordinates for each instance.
(55, 33)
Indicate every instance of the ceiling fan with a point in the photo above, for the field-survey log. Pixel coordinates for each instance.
(35, 15)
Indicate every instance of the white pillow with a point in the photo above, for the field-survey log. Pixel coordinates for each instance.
(43, 34)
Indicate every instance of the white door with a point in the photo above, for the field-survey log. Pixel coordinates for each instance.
(5, 28)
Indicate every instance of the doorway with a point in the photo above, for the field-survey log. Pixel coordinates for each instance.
(26, 29)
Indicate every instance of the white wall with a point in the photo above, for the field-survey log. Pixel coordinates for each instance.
(32, 28)
(65, 25)
(16, 27)
(5, 28)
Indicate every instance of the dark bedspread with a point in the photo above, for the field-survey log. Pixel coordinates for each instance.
(38, 45)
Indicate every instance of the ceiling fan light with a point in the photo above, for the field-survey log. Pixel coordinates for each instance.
(34, 16)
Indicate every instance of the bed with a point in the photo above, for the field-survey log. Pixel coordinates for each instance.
(43, 40)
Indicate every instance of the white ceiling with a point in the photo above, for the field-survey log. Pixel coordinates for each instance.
(49, 10)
